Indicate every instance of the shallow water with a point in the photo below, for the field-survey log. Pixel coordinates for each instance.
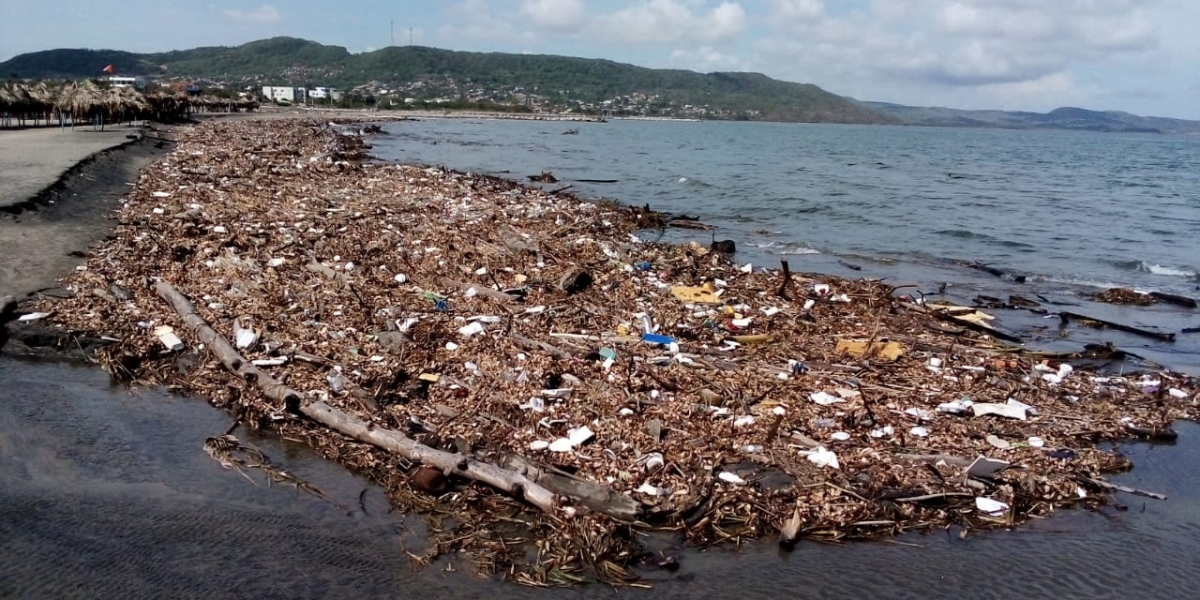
(108, 493)
(1061, 206)
(1074, 212)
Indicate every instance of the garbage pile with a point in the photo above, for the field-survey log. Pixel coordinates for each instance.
(647, 385)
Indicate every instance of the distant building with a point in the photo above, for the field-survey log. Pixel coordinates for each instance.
(325, 93)
(121, 82)
(284, 93)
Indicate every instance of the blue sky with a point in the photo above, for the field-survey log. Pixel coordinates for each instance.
(1137, 55)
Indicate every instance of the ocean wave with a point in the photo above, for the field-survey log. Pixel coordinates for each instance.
(1076, 281)
(785, 248)
(1165, 271)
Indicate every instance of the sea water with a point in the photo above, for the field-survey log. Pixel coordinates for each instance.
(1072, 213)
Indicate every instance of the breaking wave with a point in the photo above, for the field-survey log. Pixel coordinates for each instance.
(1165, 271)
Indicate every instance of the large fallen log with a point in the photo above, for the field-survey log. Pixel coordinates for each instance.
(1065, 317)
(1183, 301)
(513, 483)
(451, 464)
(592, 495)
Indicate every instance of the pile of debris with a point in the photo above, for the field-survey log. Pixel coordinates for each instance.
(431, 328)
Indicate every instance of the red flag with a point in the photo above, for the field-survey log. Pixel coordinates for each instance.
(109, 69)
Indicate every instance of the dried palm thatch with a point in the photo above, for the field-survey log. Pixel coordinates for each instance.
(80, 100)
(471, 315)
(8, 100)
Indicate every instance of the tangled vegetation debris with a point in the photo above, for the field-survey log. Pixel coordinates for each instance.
(433, 329)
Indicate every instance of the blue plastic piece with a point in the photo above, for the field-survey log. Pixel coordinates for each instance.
(657, 339)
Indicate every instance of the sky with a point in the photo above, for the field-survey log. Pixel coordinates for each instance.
(1142, 56)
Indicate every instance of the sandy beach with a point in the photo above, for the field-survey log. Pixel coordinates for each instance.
(47, 220)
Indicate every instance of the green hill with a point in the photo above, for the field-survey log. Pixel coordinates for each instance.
(561, 79)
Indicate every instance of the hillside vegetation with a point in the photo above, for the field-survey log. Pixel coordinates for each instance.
(546, 82)
(286, 61)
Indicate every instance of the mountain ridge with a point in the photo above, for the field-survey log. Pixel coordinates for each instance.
(563, 81)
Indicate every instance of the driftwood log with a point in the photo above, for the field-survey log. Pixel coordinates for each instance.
(512, 482)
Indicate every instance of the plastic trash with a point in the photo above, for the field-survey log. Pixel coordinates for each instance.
(1036, 442)
(824, 398)
(997, 442)
(652, 490)
(654, 460)
(166, 335)
(538, 445)
(243, 337)
(822, 457)
(1018, 404)
(919, 431)
(743, 421)
(642, 265)
(728, 477)
(535, 404)
(471, 329)
(336, 383)
(883, 432)
(653, 338)
(920, 413)
(580, 435)
(990, 506)
(561, 445)
(1002, 410)
(956, 407)
(984, 467)
(840, 436)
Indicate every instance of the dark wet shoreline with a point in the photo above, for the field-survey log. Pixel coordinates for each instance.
(107, 492)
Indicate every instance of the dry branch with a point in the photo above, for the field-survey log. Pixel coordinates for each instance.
(469, 468)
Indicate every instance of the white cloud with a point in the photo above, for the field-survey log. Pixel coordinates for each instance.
(562, 15)
(672, 21)
(803, 9)
(263, 14)
(959, 42)
(474, 20)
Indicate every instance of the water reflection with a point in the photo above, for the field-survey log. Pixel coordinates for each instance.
(107, 493)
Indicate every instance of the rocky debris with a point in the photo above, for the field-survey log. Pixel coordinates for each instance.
(537, 332)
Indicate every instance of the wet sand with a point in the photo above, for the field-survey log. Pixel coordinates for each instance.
(57, 189)
(31, 159)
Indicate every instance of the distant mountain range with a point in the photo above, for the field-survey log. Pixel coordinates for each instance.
(559, 81)
(1059, 118)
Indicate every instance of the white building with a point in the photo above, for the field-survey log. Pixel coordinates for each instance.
(325, 93)
(284, 93)
(121, 82)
